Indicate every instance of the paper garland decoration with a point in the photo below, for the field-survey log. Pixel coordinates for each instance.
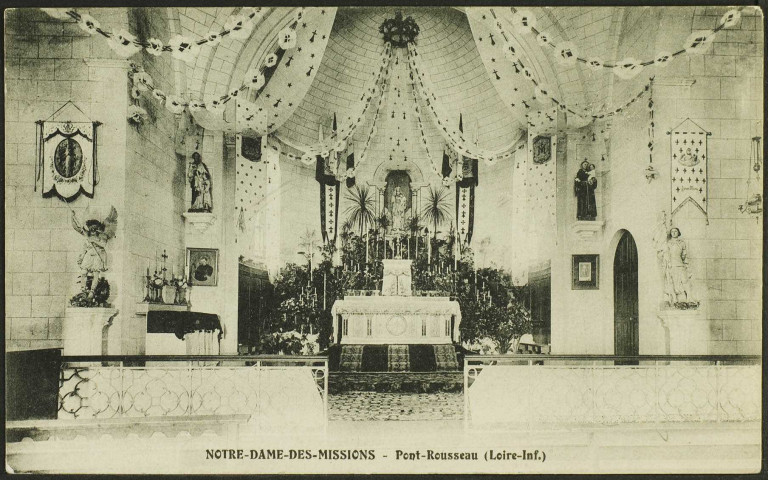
(340, 138)
(293, 76)
(455, 140)
(524, 22)
(521, 69)
(256, 80)
(184, 48)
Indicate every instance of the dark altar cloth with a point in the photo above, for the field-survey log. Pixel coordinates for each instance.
(181, 323)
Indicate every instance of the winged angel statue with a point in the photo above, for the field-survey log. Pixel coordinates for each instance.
(93, 260)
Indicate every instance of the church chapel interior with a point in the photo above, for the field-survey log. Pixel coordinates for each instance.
(392, 187)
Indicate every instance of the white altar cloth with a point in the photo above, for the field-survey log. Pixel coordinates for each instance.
(396, 320)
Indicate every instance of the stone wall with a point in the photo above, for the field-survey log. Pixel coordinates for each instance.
(720, 91)
(50, 62)
(156, 182)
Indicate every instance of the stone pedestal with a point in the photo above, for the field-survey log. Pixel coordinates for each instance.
(397, 278)
(84, 330)
(687, 331)
(200, 221)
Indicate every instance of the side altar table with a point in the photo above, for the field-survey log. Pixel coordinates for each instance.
(396, 317)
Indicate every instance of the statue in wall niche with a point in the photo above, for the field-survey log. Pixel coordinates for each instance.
(584, 187)
(93, 260)
(398, 209)
(673, 254)
(202, 185)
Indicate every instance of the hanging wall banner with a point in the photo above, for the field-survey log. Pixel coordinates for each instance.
(688, 170)
(67, 158)
(329, 210)
(465, 199)
(329, 198)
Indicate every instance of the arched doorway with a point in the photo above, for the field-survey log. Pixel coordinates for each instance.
(625, 309)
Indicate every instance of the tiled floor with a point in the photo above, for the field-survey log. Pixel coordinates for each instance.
(366, 406)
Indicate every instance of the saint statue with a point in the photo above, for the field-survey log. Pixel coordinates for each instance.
(398, 210)
(93, 260)
(200, 180)
(673, 254)
(584, 187)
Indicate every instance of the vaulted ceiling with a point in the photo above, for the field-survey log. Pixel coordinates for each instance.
(449, 50)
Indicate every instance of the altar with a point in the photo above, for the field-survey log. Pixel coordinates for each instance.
(396, 316)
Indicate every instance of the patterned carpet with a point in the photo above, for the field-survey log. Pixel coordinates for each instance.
(366, 406)
(395, 358)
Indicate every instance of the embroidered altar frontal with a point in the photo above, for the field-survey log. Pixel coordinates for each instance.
(396, 320)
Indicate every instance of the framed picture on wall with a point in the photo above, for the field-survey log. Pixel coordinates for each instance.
(586, 270)
(203, 266)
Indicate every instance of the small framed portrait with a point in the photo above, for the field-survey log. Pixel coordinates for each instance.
(203, 266)
(586, 270)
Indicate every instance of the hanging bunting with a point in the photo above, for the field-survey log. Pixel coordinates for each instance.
(66, 147)
(455, 140)
(184, 48)
(295, 73)
(524, 22)
(688, 169)
(210, 113)
(373, 95)
(566, 54)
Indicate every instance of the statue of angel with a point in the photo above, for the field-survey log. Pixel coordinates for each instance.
(93, 260)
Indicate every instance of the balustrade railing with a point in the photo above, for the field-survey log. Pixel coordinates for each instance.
(275, 390)
(535, 390)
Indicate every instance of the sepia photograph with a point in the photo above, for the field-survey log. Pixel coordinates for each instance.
(384, 240)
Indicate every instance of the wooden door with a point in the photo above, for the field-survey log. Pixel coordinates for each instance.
(626, 341)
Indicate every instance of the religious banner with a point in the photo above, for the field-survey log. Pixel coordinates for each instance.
(271, 159)
(66, 156)
(688, 166)
(329, 197)
(250, 197)
(466, 181)
(329, 211)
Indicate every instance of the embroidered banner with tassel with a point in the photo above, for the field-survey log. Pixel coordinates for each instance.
(66, 150)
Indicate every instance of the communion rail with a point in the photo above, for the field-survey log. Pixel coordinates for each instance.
(274, 390)
(525, 391)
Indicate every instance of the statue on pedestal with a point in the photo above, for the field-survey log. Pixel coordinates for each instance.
(93, 260)
(200, 179)
(673, 254)
(584, 187)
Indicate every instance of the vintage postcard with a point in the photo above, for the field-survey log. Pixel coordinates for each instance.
(337, 239)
